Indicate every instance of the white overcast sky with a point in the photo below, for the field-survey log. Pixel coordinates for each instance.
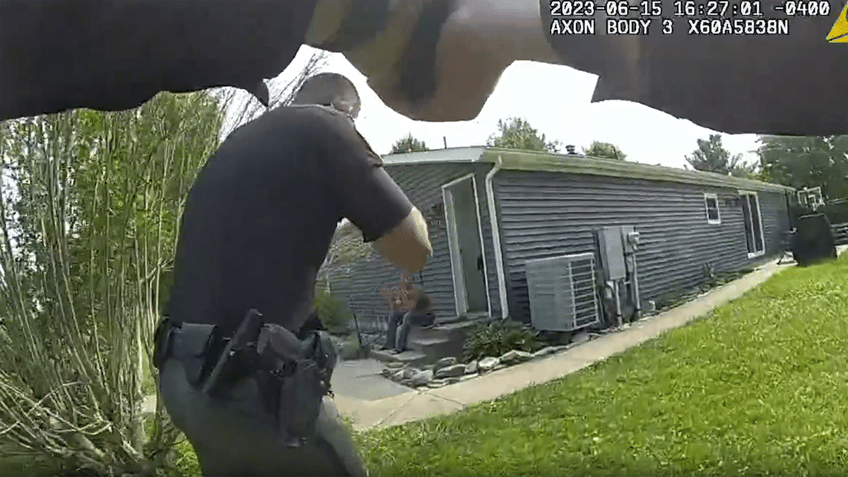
(554, 99)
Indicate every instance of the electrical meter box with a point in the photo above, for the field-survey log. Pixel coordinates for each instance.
(630, 238)
(611, 248)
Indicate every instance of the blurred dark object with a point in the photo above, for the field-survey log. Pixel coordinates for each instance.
(813, 240)
(423, 304)
(112, 56)
(115, 55)
(836, 211)
(313, 323)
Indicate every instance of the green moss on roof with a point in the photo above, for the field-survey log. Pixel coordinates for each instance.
(535, 161)
(574, 164)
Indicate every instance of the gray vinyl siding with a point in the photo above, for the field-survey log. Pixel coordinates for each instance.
(547, 214)
(422, 183)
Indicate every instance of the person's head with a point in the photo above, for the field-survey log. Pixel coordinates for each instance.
(423, 303)
(332, 90)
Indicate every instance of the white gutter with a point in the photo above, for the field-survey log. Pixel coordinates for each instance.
(496, 237)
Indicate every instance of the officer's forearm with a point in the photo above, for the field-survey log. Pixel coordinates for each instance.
(408, 245)
(421, 231)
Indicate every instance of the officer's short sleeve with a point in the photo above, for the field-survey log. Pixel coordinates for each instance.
(367, 195)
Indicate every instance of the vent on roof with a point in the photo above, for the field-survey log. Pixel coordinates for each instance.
(562, 292)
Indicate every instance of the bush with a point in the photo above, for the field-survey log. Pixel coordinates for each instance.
(348, 348)
(835, 211)
(332, 312)
(498, 337)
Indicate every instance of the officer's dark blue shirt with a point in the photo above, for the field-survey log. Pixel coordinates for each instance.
(260, 216)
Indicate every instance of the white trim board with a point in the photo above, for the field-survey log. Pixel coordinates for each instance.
(457, 271)
(496, 237)
(762, 252)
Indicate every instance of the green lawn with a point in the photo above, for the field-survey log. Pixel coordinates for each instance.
(759, 387)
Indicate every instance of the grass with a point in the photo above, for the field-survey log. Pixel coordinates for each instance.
(758, 388)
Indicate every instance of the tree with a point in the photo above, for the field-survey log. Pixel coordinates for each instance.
(240, 106)
(408, 144)
(89, 216)
(604, 149)
(711, 156)
(807, 161)
(516, 133)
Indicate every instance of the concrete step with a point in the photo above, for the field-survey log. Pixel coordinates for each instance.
(416, 333)
(428, 345)
(442, 330)
(435, 348)
(409, 358)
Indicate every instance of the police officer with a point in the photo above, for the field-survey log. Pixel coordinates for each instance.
(256, 227)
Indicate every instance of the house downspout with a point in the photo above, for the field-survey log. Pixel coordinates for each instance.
(496, 236)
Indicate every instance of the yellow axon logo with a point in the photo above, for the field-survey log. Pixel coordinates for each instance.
(839, 32)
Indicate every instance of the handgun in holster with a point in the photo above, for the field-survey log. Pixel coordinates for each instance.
(231, 360)
(296, 379)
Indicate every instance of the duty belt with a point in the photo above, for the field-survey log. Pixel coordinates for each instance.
(293, 375)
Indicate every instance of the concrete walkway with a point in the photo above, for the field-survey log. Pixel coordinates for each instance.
(411, 405)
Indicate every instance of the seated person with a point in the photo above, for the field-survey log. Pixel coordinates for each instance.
(398, 299)
(421, 314)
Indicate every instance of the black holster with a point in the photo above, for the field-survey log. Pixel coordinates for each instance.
(293, 374)
(294, 378)
(196, 345)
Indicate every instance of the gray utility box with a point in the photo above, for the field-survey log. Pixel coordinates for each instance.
(630, 237)
(611, 248)
(562, 292)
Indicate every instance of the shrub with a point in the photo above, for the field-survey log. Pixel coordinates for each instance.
(332, 312)
(498, 337)
(348, 348)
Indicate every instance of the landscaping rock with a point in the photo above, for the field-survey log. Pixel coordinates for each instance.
(394, 365)
(580, 338)
(387, 372)
(409, 373)
(499, 366)
(406, 382)
(398, 376)
(471, 368)
(516, 356)
(451, 371)
(436, 383)
(422, 378)
(444, 363)
(452, 380)
(545, 351)
(487, 364)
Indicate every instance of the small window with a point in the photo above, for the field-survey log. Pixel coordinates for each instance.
(711, 202)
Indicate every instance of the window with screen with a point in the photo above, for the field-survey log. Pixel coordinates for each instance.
(711, 203)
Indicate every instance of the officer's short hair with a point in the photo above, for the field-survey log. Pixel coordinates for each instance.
(330, 89)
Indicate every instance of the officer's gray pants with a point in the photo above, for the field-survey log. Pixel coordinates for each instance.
(233, 436)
